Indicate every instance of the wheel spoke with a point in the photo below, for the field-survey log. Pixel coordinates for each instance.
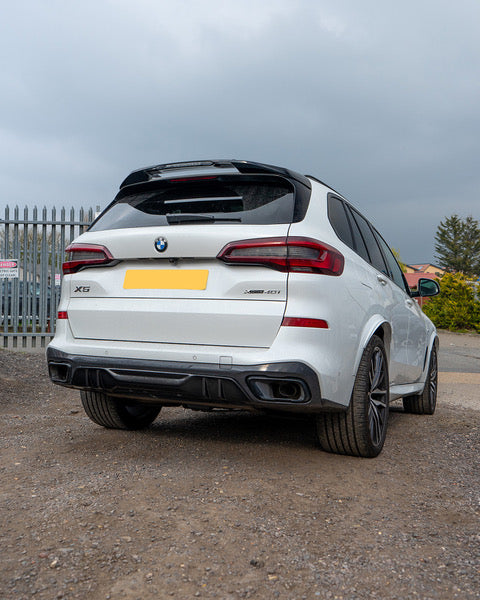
(432, 383)
(379, 401)
(376, 423)
(376, 370)
(377, 396)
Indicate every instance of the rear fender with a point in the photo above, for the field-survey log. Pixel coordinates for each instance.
(375, 325)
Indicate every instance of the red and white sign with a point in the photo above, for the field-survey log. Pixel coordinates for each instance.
(9, 269)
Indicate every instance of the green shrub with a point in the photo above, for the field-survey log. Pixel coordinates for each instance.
(456, 307)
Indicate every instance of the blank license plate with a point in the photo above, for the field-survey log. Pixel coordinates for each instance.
(165, 279)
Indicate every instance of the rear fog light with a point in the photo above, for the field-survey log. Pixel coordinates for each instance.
(301, 322)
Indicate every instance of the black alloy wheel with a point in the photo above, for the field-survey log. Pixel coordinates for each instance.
(361, 430)
(426, 402)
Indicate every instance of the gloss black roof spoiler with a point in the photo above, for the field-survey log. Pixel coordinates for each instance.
(209, 167)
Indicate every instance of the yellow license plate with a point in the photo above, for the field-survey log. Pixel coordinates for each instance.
(165, 279)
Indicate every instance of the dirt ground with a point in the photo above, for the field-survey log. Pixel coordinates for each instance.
(232, 505)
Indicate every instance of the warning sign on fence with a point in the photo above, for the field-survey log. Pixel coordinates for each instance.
(9, 269)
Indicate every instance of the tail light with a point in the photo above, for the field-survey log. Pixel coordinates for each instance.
(86, 255)
(289, 255)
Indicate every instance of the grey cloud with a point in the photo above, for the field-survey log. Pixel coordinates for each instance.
(378, 99)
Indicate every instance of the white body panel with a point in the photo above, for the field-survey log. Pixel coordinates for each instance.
(230, 311)
(184, 321)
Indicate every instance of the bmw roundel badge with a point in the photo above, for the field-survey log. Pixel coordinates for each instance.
(161, 244)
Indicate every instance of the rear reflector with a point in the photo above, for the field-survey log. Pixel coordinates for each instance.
(289, 255)
(86, 255)
(301, 322)
(62, 314)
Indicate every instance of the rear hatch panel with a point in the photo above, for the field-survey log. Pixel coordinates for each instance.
(165, 230)
(231, 306)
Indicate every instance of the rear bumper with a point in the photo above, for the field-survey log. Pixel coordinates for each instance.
(288, 386)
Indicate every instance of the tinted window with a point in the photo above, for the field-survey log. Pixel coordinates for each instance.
(223, 199)
(376, 258)
(339, 220)
(395, 270)
(359, 244)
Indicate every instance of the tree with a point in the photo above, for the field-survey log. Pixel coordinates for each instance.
(457, 245)
(456, 307)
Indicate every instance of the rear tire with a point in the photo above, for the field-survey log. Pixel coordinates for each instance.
(362, 429)
(426, 402)
(115, 413)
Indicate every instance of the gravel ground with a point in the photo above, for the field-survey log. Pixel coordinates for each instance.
(232, 505)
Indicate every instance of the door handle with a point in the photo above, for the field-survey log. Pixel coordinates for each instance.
(381, 280)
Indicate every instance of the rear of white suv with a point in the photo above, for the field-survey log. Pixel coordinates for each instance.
(225, 284)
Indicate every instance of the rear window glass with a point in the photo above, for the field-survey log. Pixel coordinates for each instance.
(224, 199)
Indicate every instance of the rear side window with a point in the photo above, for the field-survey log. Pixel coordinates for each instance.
(355, 231)
(220, 199)
(360, 246)
(395, 270)
(345, 226)
(376, 257)
(339, 220)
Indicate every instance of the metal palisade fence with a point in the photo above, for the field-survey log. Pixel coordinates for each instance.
(32, 250)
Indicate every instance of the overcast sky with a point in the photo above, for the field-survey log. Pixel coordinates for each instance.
(380, 99)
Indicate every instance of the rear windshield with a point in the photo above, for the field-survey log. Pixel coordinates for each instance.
(224, 199)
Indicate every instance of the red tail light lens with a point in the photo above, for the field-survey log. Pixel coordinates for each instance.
(62, 314)
(86, 255)
(303, 322)
(289, 255)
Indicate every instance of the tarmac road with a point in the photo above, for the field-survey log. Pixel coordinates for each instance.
(459, 370)
(459, 352)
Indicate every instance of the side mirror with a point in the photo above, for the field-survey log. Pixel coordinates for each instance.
(427, 287)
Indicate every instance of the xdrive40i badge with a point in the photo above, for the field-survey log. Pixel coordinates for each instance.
(261, 292)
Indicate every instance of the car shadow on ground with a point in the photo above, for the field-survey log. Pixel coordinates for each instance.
(238, 427)
(179, 436)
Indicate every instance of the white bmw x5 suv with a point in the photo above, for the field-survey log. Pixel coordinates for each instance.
(238, 285)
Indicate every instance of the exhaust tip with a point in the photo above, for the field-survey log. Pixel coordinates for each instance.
(284, 390)
(58, 372)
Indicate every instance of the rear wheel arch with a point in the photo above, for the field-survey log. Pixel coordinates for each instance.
(376, 326)
(384, 332)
